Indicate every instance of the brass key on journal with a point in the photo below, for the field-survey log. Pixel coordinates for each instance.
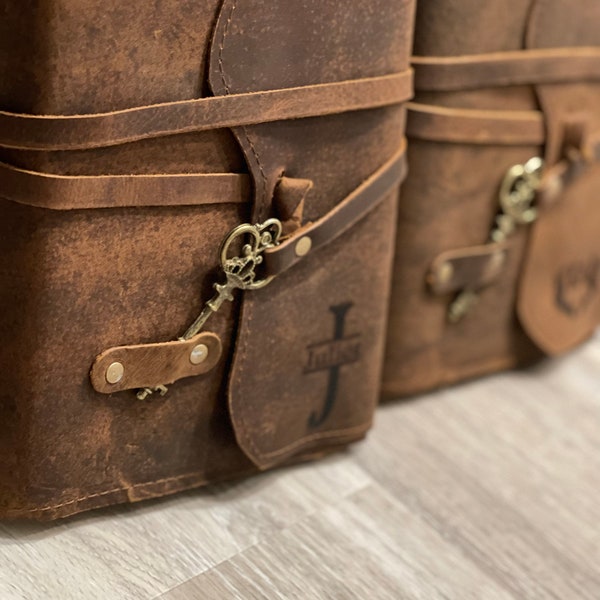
(240, 274)
(517, 205)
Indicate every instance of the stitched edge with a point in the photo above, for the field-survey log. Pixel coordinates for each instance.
(338, 434)
(532, 35)
(227, 87)
(198, 475)
(49, 507)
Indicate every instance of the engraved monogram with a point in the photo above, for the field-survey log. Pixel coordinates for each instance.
(577, 284)
(331, 356)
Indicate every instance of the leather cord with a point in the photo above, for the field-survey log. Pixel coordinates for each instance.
(348, 212)
(60, 192)
(470, 126)
(52, 132)
(522, 67)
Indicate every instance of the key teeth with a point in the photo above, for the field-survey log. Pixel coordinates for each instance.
(146, 393)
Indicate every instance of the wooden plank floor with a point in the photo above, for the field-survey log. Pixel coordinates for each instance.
(490, 490)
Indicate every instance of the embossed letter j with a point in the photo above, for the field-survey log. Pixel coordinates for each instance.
(339, 312)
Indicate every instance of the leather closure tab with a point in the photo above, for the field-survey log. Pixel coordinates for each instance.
(154, 365)
(473, 267)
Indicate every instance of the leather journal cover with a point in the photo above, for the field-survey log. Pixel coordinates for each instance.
(498, 248)
(197, 219)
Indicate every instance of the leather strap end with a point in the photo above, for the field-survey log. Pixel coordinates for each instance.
(153, 365)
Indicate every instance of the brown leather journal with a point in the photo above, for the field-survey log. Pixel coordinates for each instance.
(498, 251)
(197, 213)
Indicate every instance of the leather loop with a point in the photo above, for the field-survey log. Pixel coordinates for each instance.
(523, 67)
(289, 199)
(60, 192)
(468, 126)
(348, 212)
(153, 365)
(52, 132)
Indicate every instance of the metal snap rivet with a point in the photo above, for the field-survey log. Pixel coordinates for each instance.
(115, 373)
(303, 246)
(199, 354)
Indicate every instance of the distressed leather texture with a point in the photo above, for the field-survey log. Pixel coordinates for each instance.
(192, 118)
(497, 82)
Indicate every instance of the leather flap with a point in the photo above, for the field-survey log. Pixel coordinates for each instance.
(559, 296)
(308, 358)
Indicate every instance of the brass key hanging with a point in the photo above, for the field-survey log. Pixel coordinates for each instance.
(240, 274)
(517, 204)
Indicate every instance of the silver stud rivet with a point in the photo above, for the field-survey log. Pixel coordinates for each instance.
(303, 246)
(199, 354)
(445, 273)
(115, 373)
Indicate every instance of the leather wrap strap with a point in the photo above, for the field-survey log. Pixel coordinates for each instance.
(523, 67)
(469, 126)
(348, 212)
(59, 192)
(51, 132)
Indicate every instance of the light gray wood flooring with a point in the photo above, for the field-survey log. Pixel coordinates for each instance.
(490, 490)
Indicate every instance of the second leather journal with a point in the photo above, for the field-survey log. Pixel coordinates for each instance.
(197, 214)
(498, 251)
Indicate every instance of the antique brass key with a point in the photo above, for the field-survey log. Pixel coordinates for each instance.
(517, 207)
(240, 274)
